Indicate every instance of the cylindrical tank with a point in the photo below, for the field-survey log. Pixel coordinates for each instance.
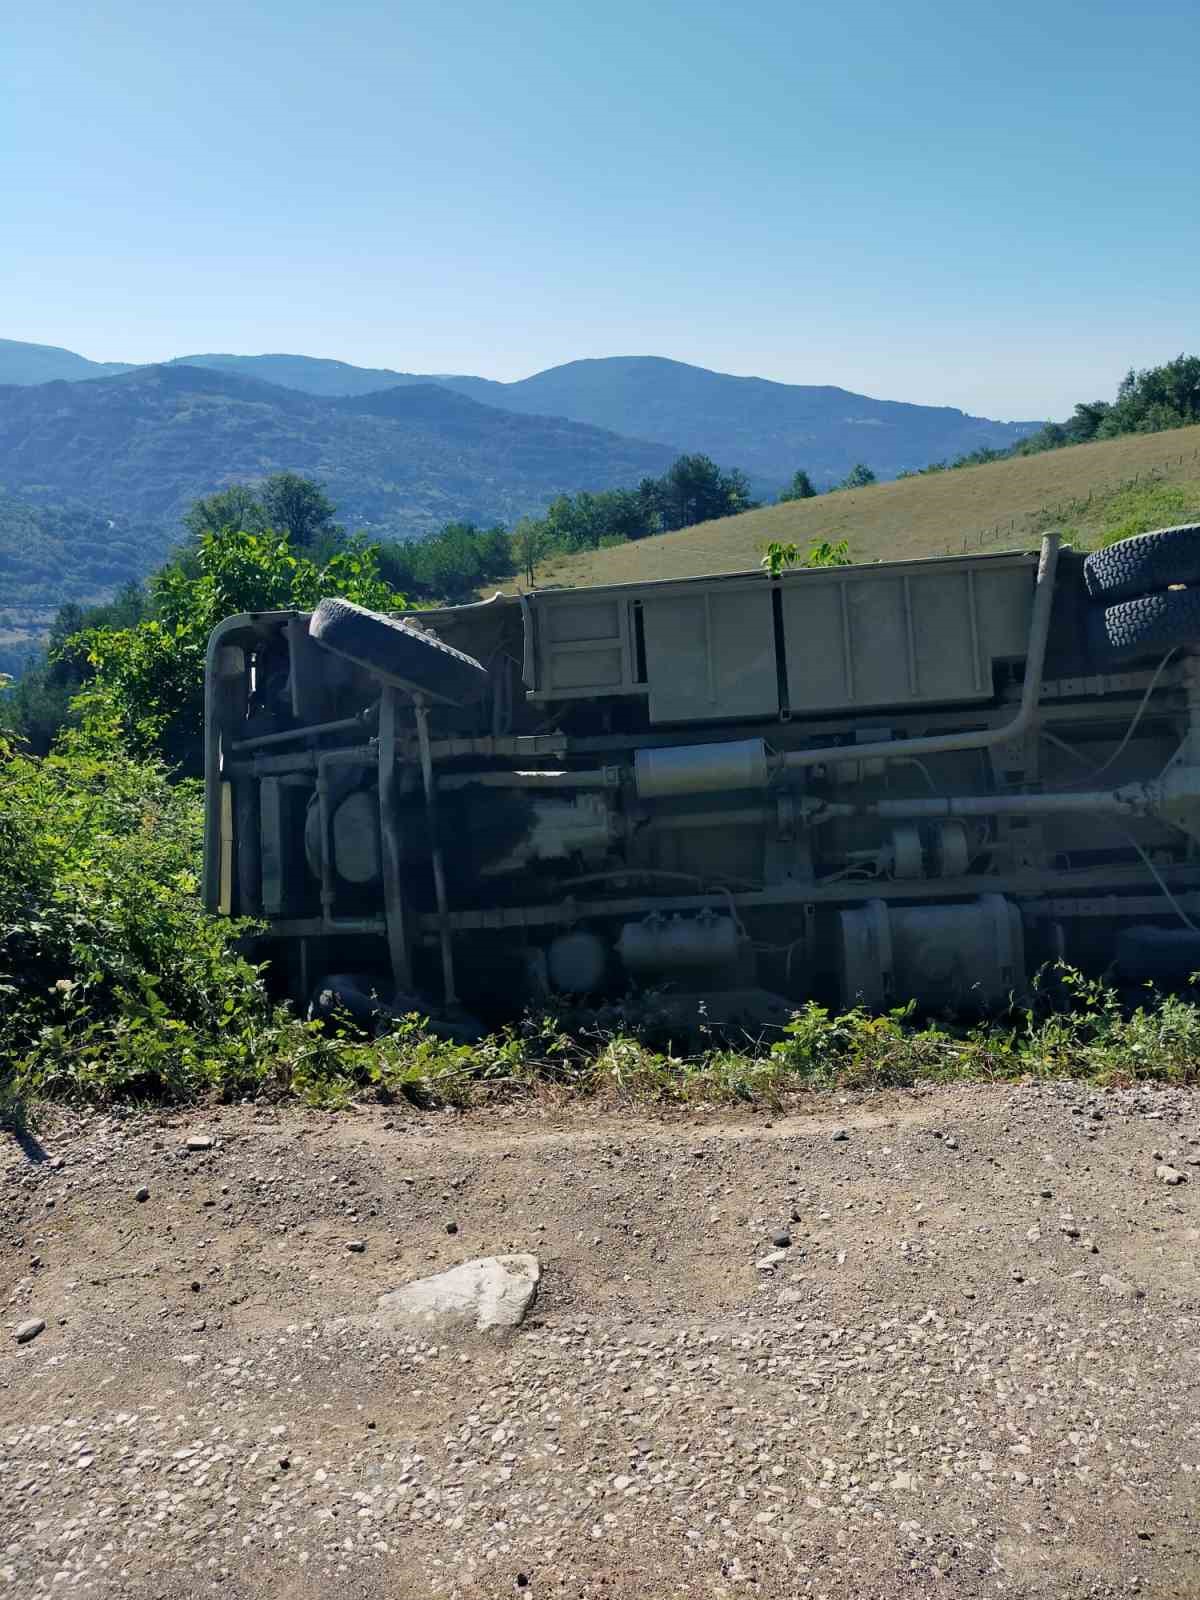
(576, 962)
(356, 837)
(700, 769)
(968, 957)
(667, 944)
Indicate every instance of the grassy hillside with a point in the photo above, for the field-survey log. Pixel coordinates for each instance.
(1122, 486)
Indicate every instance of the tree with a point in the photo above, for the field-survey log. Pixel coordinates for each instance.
(237, 506)
(146, 692)
(299, 508)
(860, 476)
(779, 557)
(531, 541)
(800, 488)
(696, 490)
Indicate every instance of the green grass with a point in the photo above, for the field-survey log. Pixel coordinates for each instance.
(1088, 1034)
(1138, 508)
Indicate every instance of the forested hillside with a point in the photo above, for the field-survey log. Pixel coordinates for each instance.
(766, 428)
(141, 447)
(55, 551)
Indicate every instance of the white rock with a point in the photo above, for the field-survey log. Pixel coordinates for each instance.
(491, 1292)
(1166, 1174)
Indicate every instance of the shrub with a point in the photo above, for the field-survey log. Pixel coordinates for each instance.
(110, 970)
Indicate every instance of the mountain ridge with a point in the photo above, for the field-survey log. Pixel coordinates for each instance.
(765, 427)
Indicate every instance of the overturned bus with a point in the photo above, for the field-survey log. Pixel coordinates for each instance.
(916, 780)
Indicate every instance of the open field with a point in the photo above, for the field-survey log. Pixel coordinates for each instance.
(971, 1371)
(1004, 505)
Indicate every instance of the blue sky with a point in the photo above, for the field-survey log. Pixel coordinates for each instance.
(988, 207)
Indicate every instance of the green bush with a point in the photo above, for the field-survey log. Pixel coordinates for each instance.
(113, 980)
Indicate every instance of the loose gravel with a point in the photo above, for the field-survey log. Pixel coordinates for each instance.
(974, 1369)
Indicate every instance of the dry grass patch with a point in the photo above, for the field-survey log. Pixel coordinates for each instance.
(1004, 505)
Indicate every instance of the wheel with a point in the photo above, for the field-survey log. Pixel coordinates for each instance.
(398, 653)
(347, 994)
(1149, 625)
(1139, 566)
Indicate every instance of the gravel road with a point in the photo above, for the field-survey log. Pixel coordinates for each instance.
(973, 1370)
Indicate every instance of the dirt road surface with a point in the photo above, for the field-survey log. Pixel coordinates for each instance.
(975, 1370)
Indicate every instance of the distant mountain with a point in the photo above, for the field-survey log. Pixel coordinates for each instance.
(44, 363)
(310, 374)
(139, 448)
(768, 429)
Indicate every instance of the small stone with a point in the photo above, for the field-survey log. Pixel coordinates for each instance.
(1045, 1194)
(493, 1292)
(1069, 1230)
(356, 1246)
(839, 1136)
(29, 1330)
(1119, 1287)
(1017, 1275)
(141, 1194)
(621, 1484)
(452, 1227)
(951, 1143)
(771, 1260)
(199, 1326)
(1166, 1174)
(285, 1462)
(199, 1141)
(781, 1240)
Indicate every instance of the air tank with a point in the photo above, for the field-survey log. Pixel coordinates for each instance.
(670, 944)
(963, 956)
(700, 769)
